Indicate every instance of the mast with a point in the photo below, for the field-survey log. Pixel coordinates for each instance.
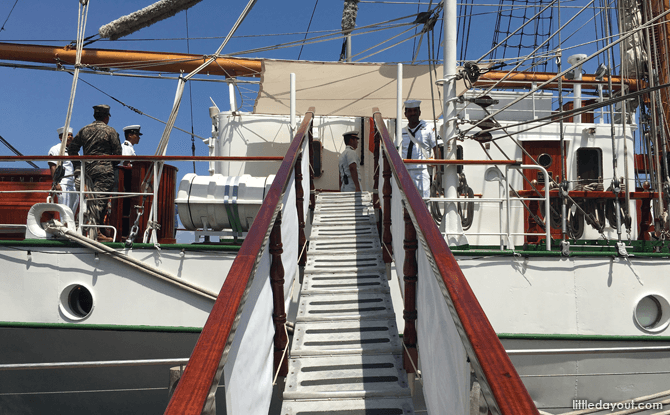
(452, 220)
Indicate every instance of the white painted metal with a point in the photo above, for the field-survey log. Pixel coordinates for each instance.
(209, 201)
(346, 337)
(451, 221)
(348, 406)
(292, 104)
(346, 376)
(572, 60)
(399, 104)
(344, 282)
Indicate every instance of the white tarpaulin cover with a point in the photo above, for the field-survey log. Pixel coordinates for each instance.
(344, 89)
(248, 371)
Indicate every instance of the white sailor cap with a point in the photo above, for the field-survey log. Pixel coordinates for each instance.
(131, 128)
(351, 134)
(412, 103)
(60, 130)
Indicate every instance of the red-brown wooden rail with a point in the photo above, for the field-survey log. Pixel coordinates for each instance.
(201, 376)
(487, 355)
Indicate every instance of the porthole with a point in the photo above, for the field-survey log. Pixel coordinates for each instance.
(544, 160)
(76, 302)
(652, 313)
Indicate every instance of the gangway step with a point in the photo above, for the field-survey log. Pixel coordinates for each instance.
(350, 407)
(345, 263)
(347, 246)
(346, 376)
(345, 283)
(345, 307)
(344, 230)
(346, 337)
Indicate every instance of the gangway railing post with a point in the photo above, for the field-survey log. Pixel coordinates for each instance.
(277, 284)
(312, 196)
(410, 276)
(299, 202)
(387, 237)
(375, 182)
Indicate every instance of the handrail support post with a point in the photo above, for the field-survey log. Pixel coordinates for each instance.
(277, 284)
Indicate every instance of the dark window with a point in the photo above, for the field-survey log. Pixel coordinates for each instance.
(589, 165)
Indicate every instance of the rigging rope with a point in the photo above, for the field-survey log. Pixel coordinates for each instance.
(82, 17)
(10, 13)
(190, 95)
(15, 151)
(308, 26)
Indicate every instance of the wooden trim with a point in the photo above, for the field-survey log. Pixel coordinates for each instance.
(387, 190)
(143, 158)
(487, 355)
(202, 375)
(299, 203)
(277, 283)
(410, 272)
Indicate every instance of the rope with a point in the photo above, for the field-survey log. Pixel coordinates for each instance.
(308, 26)
(15, 151)
(416, 370)
(140, 112)
(190, 94)
(274, 381)
(137, 265)
(621, 38)
(10, 13)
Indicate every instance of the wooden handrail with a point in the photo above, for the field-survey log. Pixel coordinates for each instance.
(144, 158)
(486, 353)
(201, 376)
(438, 162)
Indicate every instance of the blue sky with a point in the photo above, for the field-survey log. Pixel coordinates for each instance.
(33, 103)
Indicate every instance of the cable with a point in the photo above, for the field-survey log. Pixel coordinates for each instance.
(308, 26)
(15, 151)
(190, 95)
(10, 13)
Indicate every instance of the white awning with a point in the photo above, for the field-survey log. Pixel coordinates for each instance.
(344, 89)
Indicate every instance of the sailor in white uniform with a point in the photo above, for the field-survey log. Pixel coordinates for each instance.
(132, 133)
(67, 182)
(349, 162)
(418, 143)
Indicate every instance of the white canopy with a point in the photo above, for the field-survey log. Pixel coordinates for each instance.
(344, 89)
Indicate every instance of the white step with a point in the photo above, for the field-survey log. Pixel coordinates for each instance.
(361, 262)
(345, 282)
(345, 307)
(349, 407)
(344, 230)
(344, 246)
(346, 337)
(346, 376)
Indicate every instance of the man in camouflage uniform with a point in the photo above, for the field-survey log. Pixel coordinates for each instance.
(98, 139)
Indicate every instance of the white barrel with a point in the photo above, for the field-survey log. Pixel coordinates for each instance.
(221, 202)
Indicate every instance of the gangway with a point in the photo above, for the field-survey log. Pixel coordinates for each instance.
(346, 353)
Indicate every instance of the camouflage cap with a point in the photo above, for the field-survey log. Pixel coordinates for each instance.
(101, 109)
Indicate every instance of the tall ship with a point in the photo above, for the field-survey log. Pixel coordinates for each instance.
(529, 279)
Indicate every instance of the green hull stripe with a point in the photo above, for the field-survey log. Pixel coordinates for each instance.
(514, 336)
(70, 326)
(118, 245)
